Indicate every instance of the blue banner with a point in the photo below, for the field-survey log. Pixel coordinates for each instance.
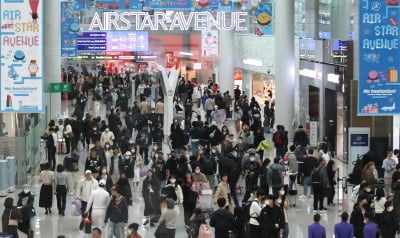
(111, 4)
(378, 84)
(264, 17)
(70, 28)
(359, 139)
(168, 4)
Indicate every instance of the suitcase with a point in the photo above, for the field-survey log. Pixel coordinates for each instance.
(392, 75)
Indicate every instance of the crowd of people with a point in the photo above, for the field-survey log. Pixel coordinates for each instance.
(205, 167)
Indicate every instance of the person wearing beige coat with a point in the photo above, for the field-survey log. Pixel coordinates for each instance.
(223, 191)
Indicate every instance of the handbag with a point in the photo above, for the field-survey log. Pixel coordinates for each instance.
(161, 230)
(12, 222)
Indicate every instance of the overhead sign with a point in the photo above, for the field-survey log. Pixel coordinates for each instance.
(113, 41)
(168, 4)
(197, 21)
(58, 88)
(86, 5)
(209, 43)
(21, 62)
(378, 85)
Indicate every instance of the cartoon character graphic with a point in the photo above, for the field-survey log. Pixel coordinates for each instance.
(34, 7)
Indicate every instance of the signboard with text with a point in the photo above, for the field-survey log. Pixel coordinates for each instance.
(209, 44)
(200, 5)
(378, 84)
(86, 5)
(21, 62)
(70, 28)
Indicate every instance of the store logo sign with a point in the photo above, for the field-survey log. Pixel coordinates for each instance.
(311, 74)
(139, 21)
(333, 78)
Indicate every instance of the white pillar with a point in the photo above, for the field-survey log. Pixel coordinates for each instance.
(226, 62)
(396, 132)
(312, 16)
(341, 11)
(52, 54)
(284, 63)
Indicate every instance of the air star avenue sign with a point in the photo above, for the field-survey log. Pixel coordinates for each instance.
(139, 21)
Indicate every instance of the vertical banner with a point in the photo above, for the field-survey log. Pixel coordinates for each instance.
(209, 43)
(70, 27)
(264, 17)
(21, 56)
(379, 59)
(358, 144)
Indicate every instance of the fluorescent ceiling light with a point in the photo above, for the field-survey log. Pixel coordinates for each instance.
(253, 62)
(186, 53)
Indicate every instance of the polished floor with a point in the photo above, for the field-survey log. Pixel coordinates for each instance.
(50, 226)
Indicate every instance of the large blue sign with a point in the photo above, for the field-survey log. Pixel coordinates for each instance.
(378, 84)
(86, 5)
(200, 5)
(70, 28)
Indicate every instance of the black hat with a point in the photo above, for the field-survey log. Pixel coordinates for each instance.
(134, 226)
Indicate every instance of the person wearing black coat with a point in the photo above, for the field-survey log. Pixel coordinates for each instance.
(196, 220)
(151, 197)
(26, 200)
(177, 138)
(300, 137)
(215, 135)
(233, 169)
(239, 222)
(189, 197)
(387, 222)
(125, 188)
(222, 220)
(357, 217)
(10, 213)
(272, 220)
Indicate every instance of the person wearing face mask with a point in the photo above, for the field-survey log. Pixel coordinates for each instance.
(189, 197)
(251, 169)
(137, 167)
(223, 191)
(85, 188)
(127, 166)
(173, 191)
(284, 205)
(208, 165)
(143, 139)
(93, 162)
(108, 153)
(26, 200)
(357, 216)
(159, 168)
(272, 219)
(379, 204)
(158, 135)
(106, 177)
(71, 165)
(107, 136)
(199, 177)
(151, 197)
(387, 222)
(116, 162)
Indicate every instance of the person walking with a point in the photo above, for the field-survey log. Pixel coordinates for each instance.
(308, 164)
(85, 189)
(97, 205)
(272, 219)
(26, 200)
(223, 191)
(387, 223)
(116, 214)
(151, 197)
(10, 218)
(222, 220)
(46, 191)
(169, 217)
(370, 229)
(61, 182)
(255, 209)
(189, 197)
(389, 165)
(319, 180)
(316, 230)
(71, 165)
(344, 229)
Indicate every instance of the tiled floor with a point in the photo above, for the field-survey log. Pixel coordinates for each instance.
(49, 226)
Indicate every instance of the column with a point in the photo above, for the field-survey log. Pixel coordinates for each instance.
(312, 16)
(284, 63)
(52, 54)
(340, 20)
(226, 62)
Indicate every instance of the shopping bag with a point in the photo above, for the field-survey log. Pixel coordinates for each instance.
(205, 202)
(392, 75)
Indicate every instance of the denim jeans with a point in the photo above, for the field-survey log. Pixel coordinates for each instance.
(115, 229)
(306, 183)
(291, 182)
(195, 145)
(232, 186)
(286, 231)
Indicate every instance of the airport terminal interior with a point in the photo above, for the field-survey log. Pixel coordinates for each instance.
(199, 118)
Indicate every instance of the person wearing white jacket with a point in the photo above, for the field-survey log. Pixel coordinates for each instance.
(85, 189)
(107, 136)
(255, 210)
(99, 200)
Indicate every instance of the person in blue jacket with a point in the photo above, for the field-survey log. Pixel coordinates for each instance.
(344, 229)
(316, 230)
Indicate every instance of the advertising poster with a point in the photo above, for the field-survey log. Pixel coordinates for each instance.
(378, 85)
(214, 5)
(21, 63)
(209, 43)
(111, 4)
(70, 28)
(359, 138)
(264, 17)
(168, 4)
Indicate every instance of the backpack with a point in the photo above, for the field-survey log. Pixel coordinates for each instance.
(276, 176)
(204, 231)
(169, 192)
(207, 166)
(278, 139)
(316, 178)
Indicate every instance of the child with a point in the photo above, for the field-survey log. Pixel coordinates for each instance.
(133, 231)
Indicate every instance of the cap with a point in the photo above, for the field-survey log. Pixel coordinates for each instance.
(102, 182)
(88, 172)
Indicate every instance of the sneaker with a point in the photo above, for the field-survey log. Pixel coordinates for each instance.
(315, 211)
(323, 210)
(302, 197)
